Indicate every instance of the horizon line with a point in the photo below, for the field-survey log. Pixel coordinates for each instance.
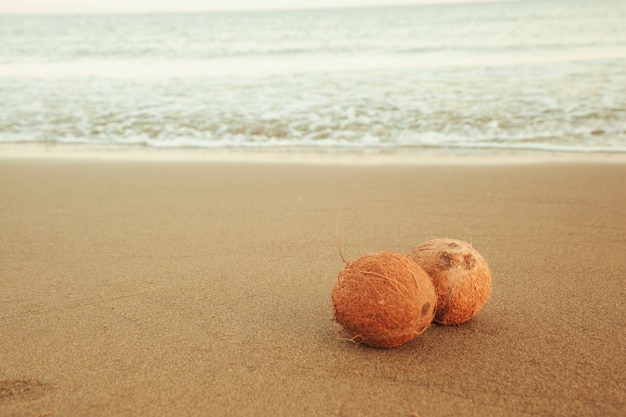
(254, 10)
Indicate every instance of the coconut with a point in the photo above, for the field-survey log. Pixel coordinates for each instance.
(384, 299)
(461, 277)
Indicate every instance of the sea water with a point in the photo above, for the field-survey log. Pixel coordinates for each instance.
(530, 75)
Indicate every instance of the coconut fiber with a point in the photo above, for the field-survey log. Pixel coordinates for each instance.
(460, 275)
(384, 299)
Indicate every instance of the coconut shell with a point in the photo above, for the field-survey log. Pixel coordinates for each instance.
(460, 275)
(384, 299)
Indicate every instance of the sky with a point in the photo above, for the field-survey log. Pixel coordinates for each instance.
(159, 6)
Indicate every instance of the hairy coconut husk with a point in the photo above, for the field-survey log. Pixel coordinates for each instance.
(460, 275)
(384, 299)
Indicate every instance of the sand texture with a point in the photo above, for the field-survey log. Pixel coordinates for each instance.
(160, 288)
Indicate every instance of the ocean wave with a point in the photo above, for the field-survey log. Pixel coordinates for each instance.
(580, 106)
(301, 134)
(514, 77)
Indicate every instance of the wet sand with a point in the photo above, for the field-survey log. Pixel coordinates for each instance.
(175, 288)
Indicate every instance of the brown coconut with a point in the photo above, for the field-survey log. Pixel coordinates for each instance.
(384, 299)
(461, 277)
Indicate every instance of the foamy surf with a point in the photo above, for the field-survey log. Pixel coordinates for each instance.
(515, 76)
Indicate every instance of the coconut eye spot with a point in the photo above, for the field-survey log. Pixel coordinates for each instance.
(445, 260)
(425, 308)
(468, 261)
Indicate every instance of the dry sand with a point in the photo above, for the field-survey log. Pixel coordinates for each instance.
(189, 288)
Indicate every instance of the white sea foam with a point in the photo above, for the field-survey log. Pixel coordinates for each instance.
(542, 76)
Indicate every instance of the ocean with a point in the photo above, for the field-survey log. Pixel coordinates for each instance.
(545, 76)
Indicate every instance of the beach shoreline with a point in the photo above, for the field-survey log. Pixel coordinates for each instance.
(374, 156)
(178, 288)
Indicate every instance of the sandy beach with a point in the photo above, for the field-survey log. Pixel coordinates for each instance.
(190, 288)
